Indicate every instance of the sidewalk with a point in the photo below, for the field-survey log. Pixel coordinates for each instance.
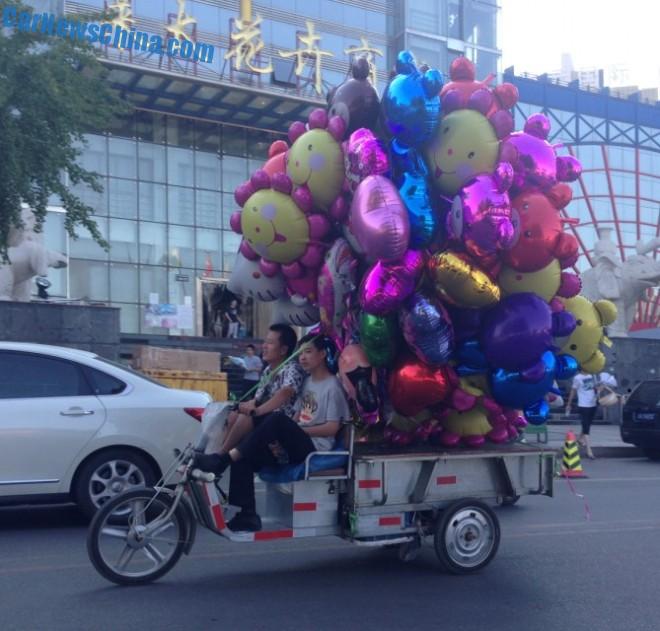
(605, 439)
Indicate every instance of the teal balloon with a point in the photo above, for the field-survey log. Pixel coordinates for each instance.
(379, 337)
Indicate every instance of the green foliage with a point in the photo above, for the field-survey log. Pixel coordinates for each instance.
(52, 90)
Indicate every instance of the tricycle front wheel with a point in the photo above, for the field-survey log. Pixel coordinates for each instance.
(467, 536)
(128, 546)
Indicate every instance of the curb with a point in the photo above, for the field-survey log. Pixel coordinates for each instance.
(623, 451)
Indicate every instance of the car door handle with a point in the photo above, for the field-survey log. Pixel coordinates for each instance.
(76, 412)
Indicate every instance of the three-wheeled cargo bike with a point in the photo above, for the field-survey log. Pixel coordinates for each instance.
(360, 492)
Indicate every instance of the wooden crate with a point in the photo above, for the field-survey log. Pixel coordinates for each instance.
(215, 383)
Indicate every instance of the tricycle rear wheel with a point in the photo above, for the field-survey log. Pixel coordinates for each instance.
(119, 549)
(467, 536)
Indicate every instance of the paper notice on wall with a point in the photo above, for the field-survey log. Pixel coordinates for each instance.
(185, 316)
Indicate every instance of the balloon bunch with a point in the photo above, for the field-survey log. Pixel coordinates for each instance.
(426, 238)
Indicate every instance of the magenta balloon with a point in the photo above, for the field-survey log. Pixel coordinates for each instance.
(480, 217)
(378, 220)
(364, 155)
(387, 284)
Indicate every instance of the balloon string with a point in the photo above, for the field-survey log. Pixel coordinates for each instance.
(587, 510)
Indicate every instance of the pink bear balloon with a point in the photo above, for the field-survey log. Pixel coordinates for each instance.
(534, 160)
(480, 217)
(378, 224)
(364, 155)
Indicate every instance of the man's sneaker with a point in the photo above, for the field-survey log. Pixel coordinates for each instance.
(246, 522)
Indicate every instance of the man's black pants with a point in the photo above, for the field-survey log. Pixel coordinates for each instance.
(256, 453)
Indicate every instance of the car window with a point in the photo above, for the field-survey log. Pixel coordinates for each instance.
(647, 394)
(127, 368)
(27, 375)
(103, 383)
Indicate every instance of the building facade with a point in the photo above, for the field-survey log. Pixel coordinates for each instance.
(618, 143)
(200, 128)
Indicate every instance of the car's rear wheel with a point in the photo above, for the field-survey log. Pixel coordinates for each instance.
(109, 473)
(652, 453)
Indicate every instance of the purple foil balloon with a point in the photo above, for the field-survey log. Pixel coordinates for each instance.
(517, 331)
(387, 284)
(364, 155)
(378, 222)
(428, 330)
(480, 216)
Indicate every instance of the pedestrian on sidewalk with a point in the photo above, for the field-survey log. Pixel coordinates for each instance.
(587, 387)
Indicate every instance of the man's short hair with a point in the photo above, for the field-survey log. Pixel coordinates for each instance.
(287, 335)
(251, 346)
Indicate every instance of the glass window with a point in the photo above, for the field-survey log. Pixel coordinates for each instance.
(578, 210)
(153, 280)
(230, 243)
(481, 23)
(94, 157)
(455, 19)
(623, 183)
(123, 282)
(180, 132)
(24, 376)
(486, 62)
(180, 166)
(307, 8)
(356, 16)
(207, 170)
(376, 22)
(628, 234)
(650, 213)
(89, 197)
(233, 140)
(55, 239)
(595, 183)
(208, 207)
(129, 319)
(590, 156)
(621, 157)
(428, 51)
(152, 162)
(181, 283)
(84, 247)
(153, 243)
(592, 128)
(234, 172)
(649, 162)
(151, 126)
(602, 207)
(103, 383)
(123, 126)
(229, 207)
(122, 198)
(207, 137)
(562, 126)
(153, 201)
(626, 209)
(332, 11)
(209, 249)
(649, 187)
(123, 240)
(587, 235)
(424, 15)
(150, 8)
(259, 141)
(181, 205)
(122, 159)
(88, 280)
(181, 248)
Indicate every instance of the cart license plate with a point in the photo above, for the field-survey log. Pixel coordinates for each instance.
(644, 416)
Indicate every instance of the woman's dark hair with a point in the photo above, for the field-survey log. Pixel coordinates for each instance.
(323, 343)
(287, 335)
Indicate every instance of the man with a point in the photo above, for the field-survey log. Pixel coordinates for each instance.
(279, 386)
(253, 366)
(322, 409)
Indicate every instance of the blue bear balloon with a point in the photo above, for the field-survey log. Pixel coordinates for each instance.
(411, 102)
(410, 177)
(525, 390)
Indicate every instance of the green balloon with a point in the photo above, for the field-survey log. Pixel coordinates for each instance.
(379, 337)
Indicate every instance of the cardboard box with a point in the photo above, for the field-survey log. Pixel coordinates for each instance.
(156, 358)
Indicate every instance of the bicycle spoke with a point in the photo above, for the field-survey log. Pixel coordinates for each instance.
(153, 553)
(115, 531)
(125, 557)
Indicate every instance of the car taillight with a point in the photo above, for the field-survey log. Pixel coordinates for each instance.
(196, 413)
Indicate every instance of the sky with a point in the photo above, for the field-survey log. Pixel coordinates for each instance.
(598, 34)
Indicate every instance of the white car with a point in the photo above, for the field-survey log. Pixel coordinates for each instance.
(75, 426)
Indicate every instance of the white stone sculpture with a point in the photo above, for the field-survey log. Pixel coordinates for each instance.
(28, 258)
(624, 283)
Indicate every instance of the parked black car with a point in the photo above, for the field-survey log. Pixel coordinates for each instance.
(640, 423)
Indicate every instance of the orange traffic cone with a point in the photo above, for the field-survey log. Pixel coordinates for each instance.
(571, 466)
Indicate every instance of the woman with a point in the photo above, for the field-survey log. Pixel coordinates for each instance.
(321, 411)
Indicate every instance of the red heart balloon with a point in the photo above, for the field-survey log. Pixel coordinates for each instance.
(414, 386)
